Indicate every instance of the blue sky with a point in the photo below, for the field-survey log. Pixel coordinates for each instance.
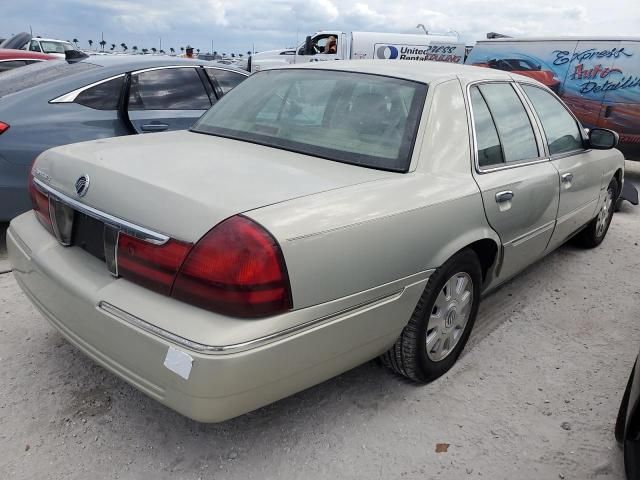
(236, 25)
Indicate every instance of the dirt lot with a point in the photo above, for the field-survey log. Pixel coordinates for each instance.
(534, 396)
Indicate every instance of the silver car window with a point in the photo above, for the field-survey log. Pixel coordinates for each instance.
(511, 119)
(226, 79)
(168, 89)
(560, 128)
(356, 118)
(487, 140)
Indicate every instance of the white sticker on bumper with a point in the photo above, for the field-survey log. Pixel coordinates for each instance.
(178, 362)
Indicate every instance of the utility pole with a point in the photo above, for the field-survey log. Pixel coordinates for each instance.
(160, 44)
(212, 47)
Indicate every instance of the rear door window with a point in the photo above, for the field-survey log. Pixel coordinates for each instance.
(226, 79)
(168, 89)
(487, 140)
(104, 96)
(560, 128)
(512, 122)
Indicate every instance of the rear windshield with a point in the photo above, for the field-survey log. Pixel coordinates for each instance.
(26, 77)
(355, 118)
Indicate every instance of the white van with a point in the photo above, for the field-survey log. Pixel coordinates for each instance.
(597, 77)
(361, 45)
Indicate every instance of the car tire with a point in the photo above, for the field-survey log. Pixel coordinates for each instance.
(441, 323)
(597, 229)
(622, 413)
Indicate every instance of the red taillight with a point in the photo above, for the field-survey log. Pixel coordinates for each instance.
(3, 127)
(236, 269)
(40, 202)
(150, 265)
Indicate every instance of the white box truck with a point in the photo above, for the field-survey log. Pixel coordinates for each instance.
(361, 45)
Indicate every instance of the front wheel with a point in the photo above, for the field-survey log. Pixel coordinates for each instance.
(441, 322)
(594, 233)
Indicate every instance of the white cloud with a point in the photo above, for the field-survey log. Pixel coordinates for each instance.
(237, 24)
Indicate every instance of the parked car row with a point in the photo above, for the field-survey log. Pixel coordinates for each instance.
(57, 103)
(314, 218)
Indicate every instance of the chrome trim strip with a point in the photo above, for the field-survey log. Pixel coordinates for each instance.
(123, 225)
(71, 96)
(22, 59)
(150, 69)
(226, 349)
(214, 67)
(534, 233)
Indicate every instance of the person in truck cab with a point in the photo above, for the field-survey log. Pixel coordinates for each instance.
(331, 46)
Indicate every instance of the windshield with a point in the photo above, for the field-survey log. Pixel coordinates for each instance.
(37, 73)
(355, 118)
(55, 47)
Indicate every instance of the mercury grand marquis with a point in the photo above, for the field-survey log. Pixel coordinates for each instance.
(313, 219)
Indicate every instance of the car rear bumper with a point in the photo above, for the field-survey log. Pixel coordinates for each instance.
(94, 311)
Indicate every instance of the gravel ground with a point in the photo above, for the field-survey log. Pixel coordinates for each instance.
(534, 396)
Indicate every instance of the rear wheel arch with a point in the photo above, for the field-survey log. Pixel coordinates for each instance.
(487, 252)
(618, 177)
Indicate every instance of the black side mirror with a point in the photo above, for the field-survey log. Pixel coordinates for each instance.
(72, 56)
(308, 46)
(603, 139)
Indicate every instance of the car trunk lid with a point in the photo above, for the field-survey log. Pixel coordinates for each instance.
(181, 184)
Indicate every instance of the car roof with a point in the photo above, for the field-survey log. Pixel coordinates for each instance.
(420, 71)
(124, 62)
(50, 39)
(10, 53)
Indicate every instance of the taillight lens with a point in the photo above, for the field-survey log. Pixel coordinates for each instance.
(236, 269)
(3, 127)
(150, 265)
(40, 202)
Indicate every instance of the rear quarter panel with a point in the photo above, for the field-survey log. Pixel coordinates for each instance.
(349, 240)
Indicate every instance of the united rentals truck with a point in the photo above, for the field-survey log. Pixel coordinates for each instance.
(363, 45)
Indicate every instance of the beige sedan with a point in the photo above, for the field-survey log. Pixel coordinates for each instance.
(315, 218)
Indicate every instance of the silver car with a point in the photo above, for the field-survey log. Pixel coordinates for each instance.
(319, 217)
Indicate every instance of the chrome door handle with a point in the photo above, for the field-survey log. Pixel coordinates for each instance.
(505, 196)
(567, 177)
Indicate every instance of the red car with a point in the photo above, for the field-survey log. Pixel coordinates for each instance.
(10, 58)
(524, 67)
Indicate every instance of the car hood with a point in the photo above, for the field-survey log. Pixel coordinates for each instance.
(183, 183)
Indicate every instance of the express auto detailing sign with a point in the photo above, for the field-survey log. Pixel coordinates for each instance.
(599, 78)
(433, 52)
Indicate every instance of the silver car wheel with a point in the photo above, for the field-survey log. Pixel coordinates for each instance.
(449, 316)
(603, 215)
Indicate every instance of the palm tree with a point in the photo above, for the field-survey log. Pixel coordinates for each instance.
(182, 49)
(113, 47)
(102, 44)
(162, 52)
(240, 55)
(172, 50)
(198, 50)
(154, 49)
(75, 40)
(123, 46)
(145, 50)
(90, 44)
(135, 49)
(249, 52)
